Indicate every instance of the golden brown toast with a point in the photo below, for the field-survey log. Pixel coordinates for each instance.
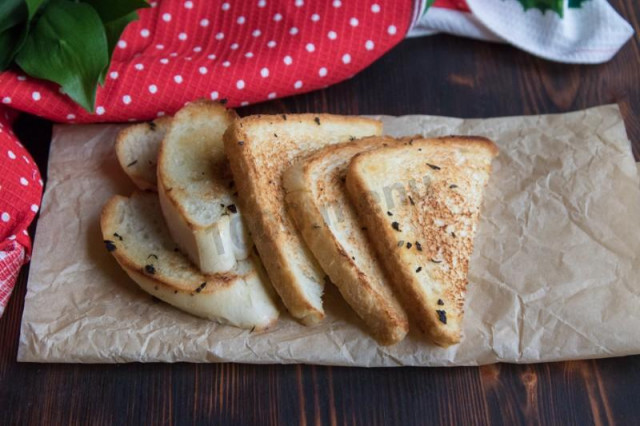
(260, 148)
(318, 202)
(420, 203)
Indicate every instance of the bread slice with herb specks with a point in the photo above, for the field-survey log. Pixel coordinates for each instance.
(318, 202)
(420, 203)
(136, 235)
(196, 188)
(260, 148)
(137, 151)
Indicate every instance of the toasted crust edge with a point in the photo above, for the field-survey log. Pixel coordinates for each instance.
(164, 180)
(120, 144)
(387, 322)
(420, 313)
(221, 282)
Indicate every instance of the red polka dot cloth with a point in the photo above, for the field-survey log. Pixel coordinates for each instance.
(243, 51)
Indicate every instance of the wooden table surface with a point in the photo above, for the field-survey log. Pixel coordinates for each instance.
(435, 75)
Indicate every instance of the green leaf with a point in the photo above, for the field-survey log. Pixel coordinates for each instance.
(67, 45)
(12, 13)
(115, 15)
(576, 4)
(544, 5)
(33, 6)
(427, 5)
(114, 30)
(13, 29)
(115, 9)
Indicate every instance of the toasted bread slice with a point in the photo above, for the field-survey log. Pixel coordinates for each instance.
(136, 234)
(260, 148)
(137, 151)
(196, 188)
(317, 200)
(420, 203)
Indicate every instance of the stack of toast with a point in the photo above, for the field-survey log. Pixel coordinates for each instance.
(315, 198)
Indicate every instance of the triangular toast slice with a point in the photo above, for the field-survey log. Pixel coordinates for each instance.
(420, 203)
(260, 148)
(318, 202)
(196, 188)
(135, 233)
(137, 151)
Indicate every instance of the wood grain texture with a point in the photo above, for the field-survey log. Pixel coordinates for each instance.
(435, 75)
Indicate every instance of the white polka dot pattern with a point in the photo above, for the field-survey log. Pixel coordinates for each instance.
(180, 50)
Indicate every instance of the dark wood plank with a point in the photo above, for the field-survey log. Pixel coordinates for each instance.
(437, 75)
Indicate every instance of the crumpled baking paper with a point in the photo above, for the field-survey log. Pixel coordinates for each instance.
(554, 274)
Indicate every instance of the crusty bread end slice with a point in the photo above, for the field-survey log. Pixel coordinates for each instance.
(260, 148)
(137, 151)
(420, 203)
(318, 202)
(135, 233)
(196, 188)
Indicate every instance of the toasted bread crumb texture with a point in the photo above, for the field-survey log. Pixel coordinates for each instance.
(192, 165)
(317, 200)
(260, 149)
(426, 198)
(137, 150)
(135, 233)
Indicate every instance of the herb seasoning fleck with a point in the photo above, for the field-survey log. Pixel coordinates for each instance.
(317, 120)
(284, 117)
(396, 226)
(436, 261)
(150, 269)
(418, 246)
(152, 126)
(133, 163)
(433, 166)
(152, 255)
(409, 245)
(118, 236)
(411, 201)
(389, 214)
(440, 302)
(453, 186)
(232, 208)
(400, 243)
(442, 316)
(109, 245)
(419, 268)
(240, 143)
(202, 286)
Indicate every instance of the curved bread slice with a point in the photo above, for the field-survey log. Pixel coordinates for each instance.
(196, 188)
(137, 151)
(420, 203)
(260, 148)
(135, 233)
(318, 202)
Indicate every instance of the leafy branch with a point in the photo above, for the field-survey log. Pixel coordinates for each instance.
(68, 42)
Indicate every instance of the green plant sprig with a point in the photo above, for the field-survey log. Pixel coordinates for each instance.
(68, 42)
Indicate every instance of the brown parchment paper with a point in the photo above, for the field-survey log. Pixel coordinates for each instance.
(554, 274)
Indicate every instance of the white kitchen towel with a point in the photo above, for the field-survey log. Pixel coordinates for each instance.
(572, 31)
